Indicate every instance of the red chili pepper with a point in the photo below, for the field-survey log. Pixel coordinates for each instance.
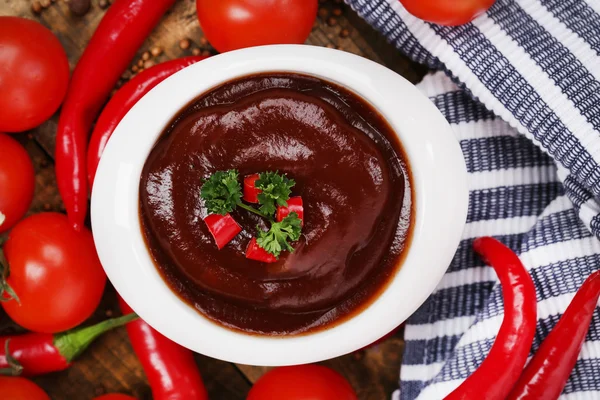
(294, 205)
(223, 228)
(122, 101)
(41, 353)
(500, 370)
(170, 368)
(121, 32)
(250, 190)
(548, 371)
(255, 252)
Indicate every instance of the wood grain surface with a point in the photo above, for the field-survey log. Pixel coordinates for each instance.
(110, 365)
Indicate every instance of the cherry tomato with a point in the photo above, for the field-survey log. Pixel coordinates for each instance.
(115, 396)
(234, 24)
(54, 271)
(17, 182)
(34, 74)
(16, 388)
(302, 382)
(447, 12)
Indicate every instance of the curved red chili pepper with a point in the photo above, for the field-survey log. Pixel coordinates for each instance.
(549, 369)
(500, 370)
(41, 353)
(170, 368)
(121, 103)
(121, 32)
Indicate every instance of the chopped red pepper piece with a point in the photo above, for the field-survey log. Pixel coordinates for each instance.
(250, 190)
(294, 205)
(223, 228)
(255, 252)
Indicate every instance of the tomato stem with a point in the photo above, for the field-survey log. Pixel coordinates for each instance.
(72, 343)
(6, 291)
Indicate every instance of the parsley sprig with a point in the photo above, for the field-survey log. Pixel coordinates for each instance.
(276, 189)
(276, 239)
(222, 193)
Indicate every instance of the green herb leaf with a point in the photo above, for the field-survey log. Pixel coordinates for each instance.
(276, 239)
(276, 189)
(221, 192)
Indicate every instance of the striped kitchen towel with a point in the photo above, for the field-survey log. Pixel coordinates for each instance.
(521, 88)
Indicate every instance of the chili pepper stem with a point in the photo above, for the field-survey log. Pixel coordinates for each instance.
(255, 211)
(14, 367)
(72, 343)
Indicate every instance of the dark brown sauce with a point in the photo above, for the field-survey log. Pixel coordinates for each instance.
(349, 169)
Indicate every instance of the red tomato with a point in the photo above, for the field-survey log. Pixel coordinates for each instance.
(115, 396)
(16, 388)
(55, 271)
(34, 74)
(17, 182)
(447, 12)
(234, 24)
(302, 382)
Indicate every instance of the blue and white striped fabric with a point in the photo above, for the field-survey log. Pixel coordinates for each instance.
(521, 90)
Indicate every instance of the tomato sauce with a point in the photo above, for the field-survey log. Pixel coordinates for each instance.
(349, 168)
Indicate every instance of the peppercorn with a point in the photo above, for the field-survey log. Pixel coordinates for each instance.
(36, 7)
(79, 7)
(323, 12)
(146, 55)
(203, 41)
(206, 53)
(103, 4)
(337, 12)
(195, 51)
(45, 3)
(331, 21)
(156, 51)
(330, 46)
(184, 44)
(148, 64)
(344, 33)
(134, 69)
(140, 63)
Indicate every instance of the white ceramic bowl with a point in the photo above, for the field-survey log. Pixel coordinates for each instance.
(439, 182)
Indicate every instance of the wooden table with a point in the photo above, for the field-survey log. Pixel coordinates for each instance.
(110, 365)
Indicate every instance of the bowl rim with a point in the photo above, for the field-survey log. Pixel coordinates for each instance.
(440, 193)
